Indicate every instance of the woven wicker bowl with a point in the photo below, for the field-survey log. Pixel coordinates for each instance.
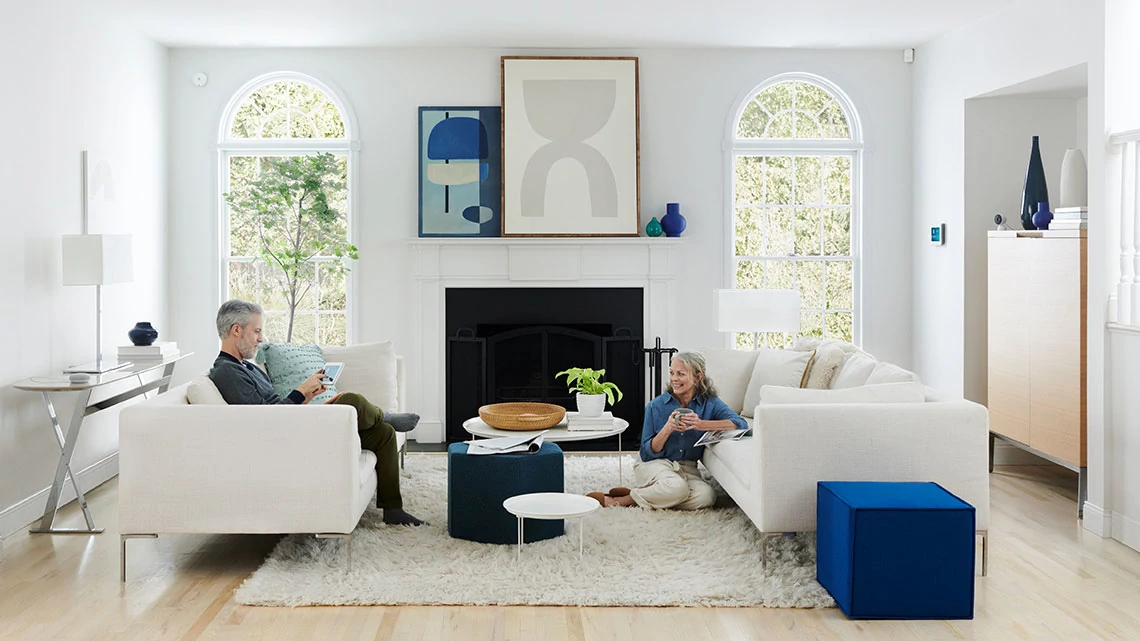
(522, 417)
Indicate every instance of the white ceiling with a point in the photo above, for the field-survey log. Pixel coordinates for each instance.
(547, 23)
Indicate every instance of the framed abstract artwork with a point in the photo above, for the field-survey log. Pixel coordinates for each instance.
(460, 171)
(570, 146)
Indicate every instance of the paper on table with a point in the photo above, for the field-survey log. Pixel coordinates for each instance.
(528, 444)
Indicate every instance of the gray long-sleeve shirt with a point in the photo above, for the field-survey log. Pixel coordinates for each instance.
(243, 383)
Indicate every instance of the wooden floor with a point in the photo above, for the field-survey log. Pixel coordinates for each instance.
(1049, 579)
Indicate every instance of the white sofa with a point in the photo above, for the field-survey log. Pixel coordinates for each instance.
(772, 476)
(253, 469)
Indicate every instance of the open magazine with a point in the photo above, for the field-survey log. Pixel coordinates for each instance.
(528, 444)
(708, 438)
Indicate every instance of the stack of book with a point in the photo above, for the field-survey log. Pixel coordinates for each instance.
(576, 423)
(1070, 218)
(155, 352)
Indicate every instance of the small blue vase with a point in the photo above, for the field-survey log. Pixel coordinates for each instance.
(1043, 217)
(653, 228)
(142, 334)
(673, 222)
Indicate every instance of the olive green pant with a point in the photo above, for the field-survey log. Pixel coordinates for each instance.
(377, 437)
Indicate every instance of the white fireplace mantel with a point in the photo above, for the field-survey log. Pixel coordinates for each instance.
(649, 263)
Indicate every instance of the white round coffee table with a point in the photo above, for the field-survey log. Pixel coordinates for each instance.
(557, 434)
(550, 506)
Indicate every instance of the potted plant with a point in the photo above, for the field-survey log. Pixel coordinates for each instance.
(592, 393)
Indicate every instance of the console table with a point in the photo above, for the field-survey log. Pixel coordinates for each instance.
(83, 408)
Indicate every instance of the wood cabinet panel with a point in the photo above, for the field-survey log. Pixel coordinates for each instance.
(1009, 339)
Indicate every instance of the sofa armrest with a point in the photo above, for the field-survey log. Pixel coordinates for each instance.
(801, 444)
(238, 468)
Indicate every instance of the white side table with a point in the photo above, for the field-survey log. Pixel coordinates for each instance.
(550, 506)
(557, 434)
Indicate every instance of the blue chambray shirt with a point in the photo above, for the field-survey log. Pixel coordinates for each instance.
(680, 446)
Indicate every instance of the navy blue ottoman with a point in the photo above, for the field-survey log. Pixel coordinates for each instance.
(478, 485)
(895, 550)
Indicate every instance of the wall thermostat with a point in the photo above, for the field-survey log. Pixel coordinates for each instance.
(199, 79)
(938, 234)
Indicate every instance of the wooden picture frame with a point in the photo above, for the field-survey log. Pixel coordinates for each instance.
(571, 146)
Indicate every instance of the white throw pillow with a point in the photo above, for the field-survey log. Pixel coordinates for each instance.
(885, 393)
(829, 356)
(369, 369)
(730, 370)
(855, 371)
(202, 391)
(784, 367)
(888, 373)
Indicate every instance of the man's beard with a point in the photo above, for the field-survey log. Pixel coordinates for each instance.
(248, 349)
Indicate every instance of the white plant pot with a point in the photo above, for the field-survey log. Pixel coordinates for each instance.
(591, 404)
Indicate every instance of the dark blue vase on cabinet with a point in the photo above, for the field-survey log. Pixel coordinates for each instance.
(1035, 189)
(673, 222)
(142, 334)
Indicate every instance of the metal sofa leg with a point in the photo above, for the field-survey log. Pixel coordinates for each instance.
(123, 552)
(985, 551)
(348, 545)
(764, 538)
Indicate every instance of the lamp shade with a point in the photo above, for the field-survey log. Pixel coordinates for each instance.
(97, 259)
(757, 310)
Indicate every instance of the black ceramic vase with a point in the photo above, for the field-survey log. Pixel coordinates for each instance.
(142, 334)
(1035, 190)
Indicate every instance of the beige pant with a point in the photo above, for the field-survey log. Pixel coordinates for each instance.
(663, 484)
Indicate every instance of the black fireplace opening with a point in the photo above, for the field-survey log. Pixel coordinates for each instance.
(507, 344)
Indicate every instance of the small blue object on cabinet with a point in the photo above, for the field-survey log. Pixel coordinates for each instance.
(1043, 217)
(673, 222)
(142, 334)
(895, 550)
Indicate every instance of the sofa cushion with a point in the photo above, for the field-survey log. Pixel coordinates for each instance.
(289, 365)
(369, 369)
(829, 357)
(784, 367)
(884, 393)
(202, 391)
(888, 373)
(730, 370)
(855, 371)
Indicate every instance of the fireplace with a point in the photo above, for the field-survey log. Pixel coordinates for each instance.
(506, 344)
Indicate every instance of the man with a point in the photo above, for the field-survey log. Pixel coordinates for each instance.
(243, 383)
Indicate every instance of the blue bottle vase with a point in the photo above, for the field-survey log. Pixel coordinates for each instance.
(673, 222)
(1035, 189)
(1043, 217)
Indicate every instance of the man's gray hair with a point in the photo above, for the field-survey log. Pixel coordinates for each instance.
(235, 312)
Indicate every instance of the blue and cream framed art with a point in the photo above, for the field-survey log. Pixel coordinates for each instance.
(461, 164)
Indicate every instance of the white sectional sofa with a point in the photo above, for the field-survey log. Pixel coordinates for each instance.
(253, 469)
(772, 476)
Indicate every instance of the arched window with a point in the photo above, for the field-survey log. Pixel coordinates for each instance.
(285, 157)
(795, 147)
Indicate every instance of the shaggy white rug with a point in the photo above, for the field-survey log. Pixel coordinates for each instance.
(633, 557)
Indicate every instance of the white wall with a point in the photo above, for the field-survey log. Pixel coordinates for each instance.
(999, 133)
(77, 82)
(1118, 505)
(997, 51)
(686, 97)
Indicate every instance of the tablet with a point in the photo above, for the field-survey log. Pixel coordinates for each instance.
(332, 372)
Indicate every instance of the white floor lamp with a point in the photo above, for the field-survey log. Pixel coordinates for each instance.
(757, 311)
(97, 259)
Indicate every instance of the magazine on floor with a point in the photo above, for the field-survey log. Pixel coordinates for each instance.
(528, 444)
(708, 438)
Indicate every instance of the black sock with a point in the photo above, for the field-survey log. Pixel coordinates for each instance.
(397, 516)
(402, 421)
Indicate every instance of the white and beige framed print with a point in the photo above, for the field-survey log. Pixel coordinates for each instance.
(570, 146)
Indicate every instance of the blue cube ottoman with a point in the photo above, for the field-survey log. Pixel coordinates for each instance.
(477, 485)
(895, 550)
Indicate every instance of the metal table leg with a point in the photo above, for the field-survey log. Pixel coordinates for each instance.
(581, 536)
(63, 468)
(619, 460)
(518, 548)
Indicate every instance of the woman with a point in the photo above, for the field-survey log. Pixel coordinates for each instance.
(667, 476)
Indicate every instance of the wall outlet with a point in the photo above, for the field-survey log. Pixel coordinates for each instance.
(938, 234)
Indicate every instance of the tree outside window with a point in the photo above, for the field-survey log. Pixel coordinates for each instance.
(286, 211)
(794, 156)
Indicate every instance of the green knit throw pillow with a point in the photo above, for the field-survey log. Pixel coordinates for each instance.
(289, 365)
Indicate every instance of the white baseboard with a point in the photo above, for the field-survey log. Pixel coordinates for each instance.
(428, 432)
(1007, 454)
(28, 511)
(1126, 530)
(1097, 521)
